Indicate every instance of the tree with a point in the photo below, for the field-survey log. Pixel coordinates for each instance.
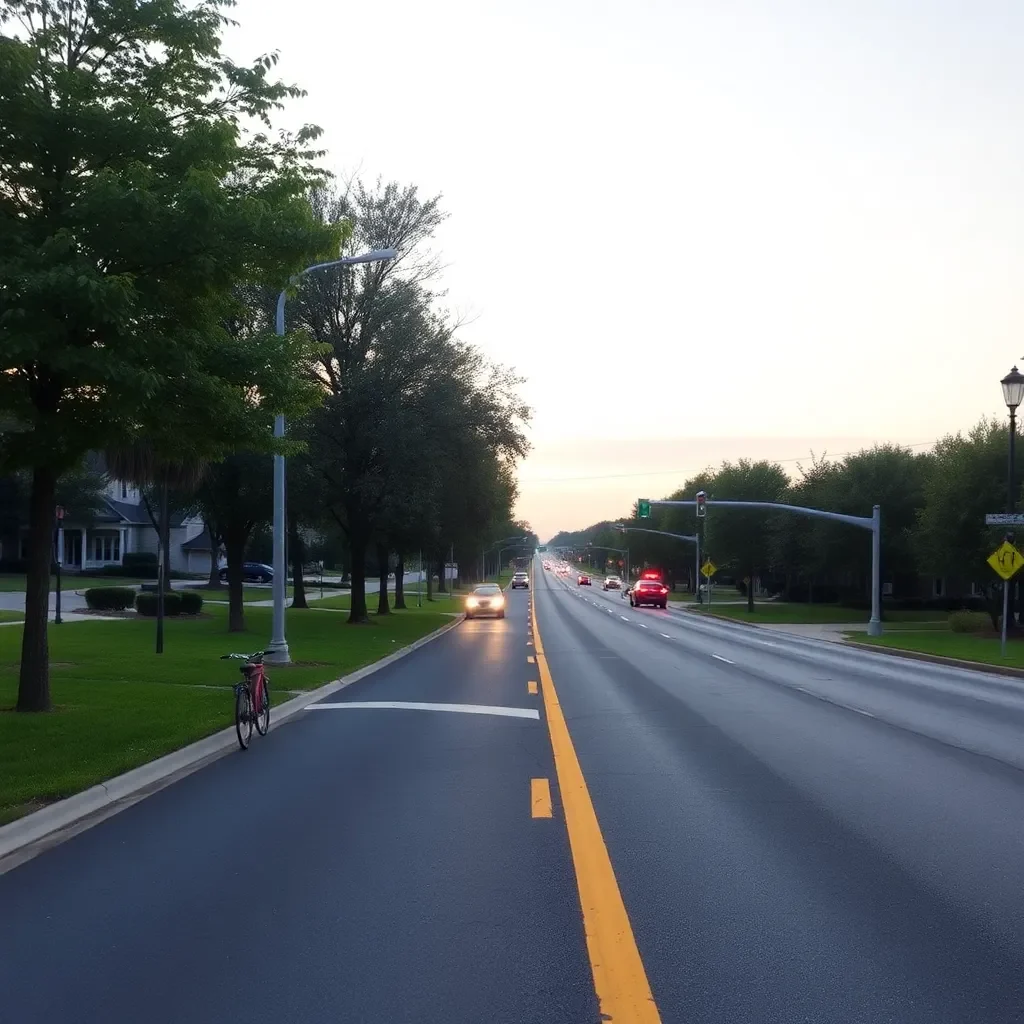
(741, 539)
(966, 481)
(237, 496)
(131, 203)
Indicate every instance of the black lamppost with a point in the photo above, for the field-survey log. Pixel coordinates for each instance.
(1013, 393)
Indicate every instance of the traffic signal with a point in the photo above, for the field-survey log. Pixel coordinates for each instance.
(643, 508)
(702, 504)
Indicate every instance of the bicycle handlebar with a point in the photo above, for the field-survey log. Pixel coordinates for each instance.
(247, 657)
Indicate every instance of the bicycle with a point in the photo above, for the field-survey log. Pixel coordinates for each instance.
(254, 692)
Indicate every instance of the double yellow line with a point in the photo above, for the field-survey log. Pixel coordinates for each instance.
(623, 993)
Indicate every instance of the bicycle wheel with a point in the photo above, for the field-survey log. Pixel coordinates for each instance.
(243, 716)
(263, 716)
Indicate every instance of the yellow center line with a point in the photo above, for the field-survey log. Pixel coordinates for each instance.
(540, 798)
(531, 686)
(620, 980)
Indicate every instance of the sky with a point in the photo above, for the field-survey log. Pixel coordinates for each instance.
(699, 230)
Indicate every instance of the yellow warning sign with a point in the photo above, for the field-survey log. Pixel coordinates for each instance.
(1006, 560)
(709, 568)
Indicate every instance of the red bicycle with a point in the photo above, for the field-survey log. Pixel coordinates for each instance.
(252, 697)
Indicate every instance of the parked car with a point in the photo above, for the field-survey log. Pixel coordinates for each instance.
(252, 572)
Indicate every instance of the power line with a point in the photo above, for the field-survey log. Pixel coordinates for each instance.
(683, 472)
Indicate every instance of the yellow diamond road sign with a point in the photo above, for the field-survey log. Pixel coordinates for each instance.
(709, 568)
(1006, 560)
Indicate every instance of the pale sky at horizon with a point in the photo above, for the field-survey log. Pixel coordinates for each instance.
(700, 230)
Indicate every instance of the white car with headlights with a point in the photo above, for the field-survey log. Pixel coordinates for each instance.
(487, 599)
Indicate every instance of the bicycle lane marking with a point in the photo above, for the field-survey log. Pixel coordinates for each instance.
(620, 979)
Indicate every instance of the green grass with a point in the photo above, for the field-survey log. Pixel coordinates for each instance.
(439, 604)
(248, 593)
(947, 644)
(11, 616)
(10, 582)
(118, 705)
(780, 612)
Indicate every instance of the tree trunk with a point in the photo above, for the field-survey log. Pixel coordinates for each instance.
(430, 577)
(295, 542)
(357, 615)
(383, 608)
(213, 583)
(442, 583)
(163, 575)
(34, 677)
(234, 546)
(750, 591)
(400, 581)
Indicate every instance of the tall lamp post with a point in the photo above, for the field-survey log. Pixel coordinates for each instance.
(277, 649)
(1013, 393)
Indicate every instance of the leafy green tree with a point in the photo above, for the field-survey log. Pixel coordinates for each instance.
(132, 201)
(967, 479)
(740, 539)
(236, 495)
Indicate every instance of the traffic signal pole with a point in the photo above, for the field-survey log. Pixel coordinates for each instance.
(872, 523)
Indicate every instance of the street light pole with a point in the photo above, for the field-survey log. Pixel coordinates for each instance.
(277, 649)
(1013, 393)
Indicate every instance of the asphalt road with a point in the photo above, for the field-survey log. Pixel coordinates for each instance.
(798, 833)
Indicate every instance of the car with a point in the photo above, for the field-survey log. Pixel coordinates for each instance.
(583, 580)
(486, 599)
(611, 583)
(252, 572)
(520, 579)
(652, 592)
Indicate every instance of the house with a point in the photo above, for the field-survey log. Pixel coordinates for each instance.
(121, 526)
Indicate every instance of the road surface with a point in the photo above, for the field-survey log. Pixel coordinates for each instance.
(798, 833)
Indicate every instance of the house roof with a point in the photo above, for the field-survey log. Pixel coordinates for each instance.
(137, 515)
(200, 542)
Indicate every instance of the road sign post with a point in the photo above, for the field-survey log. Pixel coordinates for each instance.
(1006, 560)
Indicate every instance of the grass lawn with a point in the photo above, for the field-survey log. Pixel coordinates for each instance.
(13, 582)
(781, 612)
(249, 593)
(439, 604)
(983, 649)
(118, 705)
(9, 616)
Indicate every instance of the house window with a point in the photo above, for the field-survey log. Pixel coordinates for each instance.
(106, 547)
(124, 490)
(938, 587)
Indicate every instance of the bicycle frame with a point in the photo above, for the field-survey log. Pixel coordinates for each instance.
(254, 680)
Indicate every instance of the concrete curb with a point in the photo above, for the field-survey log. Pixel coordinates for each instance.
(938, 659)
(57, 822)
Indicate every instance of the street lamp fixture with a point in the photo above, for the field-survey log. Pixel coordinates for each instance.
(1013, 389)
(277, 649)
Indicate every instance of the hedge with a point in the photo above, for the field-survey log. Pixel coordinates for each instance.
(109, 599)
(176, 602)
(145, 603)
(970, 622)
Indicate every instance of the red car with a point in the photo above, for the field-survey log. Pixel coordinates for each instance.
(652, 592)
(583, 581)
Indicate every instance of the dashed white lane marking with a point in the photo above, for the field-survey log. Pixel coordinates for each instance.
(465, 709)
(624, 619)
(666, 636)
(642, 626)
(726, 660)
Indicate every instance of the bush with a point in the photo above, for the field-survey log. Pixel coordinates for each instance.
(145, 603)
(969, 622)
(191, 602)
(139, 563)
(109, 599)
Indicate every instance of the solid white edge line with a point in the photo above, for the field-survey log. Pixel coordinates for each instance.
(466, 709)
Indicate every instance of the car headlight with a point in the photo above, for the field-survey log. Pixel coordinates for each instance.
(498, 602)
(471, 602)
